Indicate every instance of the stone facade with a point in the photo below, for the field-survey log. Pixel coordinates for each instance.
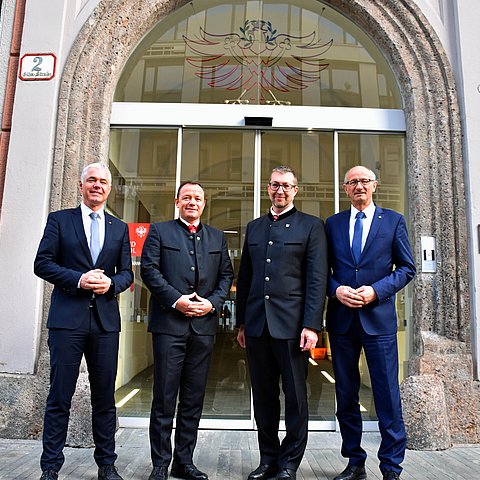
(441, 312)
(425, 413)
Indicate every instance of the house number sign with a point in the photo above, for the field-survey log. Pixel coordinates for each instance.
(37, 66)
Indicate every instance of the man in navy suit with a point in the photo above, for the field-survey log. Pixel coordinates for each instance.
(280, 297)
(85, 254)
(370, 260)
(186, 266)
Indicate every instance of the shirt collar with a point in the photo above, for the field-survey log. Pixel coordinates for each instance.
(86, 211)
(283, 212)
(196, 223)
(369, 211)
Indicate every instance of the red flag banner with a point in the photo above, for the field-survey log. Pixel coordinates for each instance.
(138, 233)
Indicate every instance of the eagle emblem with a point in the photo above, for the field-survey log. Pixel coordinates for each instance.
(257, 61)
(141, 231)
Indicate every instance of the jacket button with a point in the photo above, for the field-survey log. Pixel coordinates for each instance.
(270, 242)
(267, 279)
(269, 260)
(267, 297)
(192, 269)
(191, 252)
(190, 237)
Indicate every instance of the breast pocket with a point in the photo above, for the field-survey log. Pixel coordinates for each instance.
(167, 249)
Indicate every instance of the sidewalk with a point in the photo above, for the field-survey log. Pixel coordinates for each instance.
(231, 455)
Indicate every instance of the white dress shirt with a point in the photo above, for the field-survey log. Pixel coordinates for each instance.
(87, 221)
(367, 221)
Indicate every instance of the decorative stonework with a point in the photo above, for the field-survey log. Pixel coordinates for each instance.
(449, 362)
(434, 160)
(425, 413)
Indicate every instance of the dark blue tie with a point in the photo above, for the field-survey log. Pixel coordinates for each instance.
(94, 236)
(357, 237)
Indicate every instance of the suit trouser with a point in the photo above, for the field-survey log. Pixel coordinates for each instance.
(381, 352)
(101, 354)
(268, 360)
(181, 366)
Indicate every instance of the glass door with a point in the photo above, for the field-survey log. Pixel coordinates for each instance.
(223, 162)
(234, 166)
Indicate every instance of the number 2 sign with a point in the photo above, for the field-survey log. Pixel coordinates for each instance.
(37, 66)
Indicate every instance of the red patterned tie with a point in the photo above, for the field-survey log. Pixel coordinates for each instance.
(192, 229)
(275, 218)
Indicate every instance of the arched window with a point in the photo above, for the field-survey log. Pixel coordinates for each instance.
(301, 53)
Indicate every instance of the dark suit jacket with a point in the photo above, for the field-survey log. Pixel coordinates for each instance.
(283, 276)
(387, 246)
(176, 263)
(63, 256)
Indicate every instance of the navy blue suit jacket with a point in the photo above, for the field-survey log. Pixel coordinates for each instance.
(176, 263)
(283, 276)
(63, 256)
(387, 246)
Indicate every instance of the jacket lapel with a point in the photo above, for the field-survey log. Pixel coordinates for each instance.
(376, 223)
(80, 231)
(344, 229)
(108, 234)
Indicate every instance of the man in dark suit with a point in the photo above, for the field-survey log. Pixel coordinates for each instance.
(280, 297)
(85, 254)
(370, 260)
(186, 266)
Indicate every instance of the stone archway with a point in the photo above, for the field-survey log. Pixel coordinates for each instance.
(434, 160)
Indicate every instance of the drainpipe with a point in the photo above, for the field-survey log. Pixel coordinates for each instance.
(6, 126)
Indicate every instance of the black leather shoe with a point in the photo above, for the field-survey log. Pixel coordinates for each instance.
(352, 472)
(264, 471)
(391, 475)
(108, 472)
(188, 472)
(286, 474)
(49, 475)
(159, 473)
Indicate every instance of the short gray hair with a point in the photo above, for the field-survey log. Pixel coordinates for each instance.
(99, 166)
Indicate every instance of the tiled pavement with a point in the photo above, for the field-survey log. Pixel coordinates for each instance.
(231, 455)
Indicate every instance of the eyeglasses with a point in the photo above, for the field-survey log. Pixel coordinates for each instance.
(363, 181)
(287, 187)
